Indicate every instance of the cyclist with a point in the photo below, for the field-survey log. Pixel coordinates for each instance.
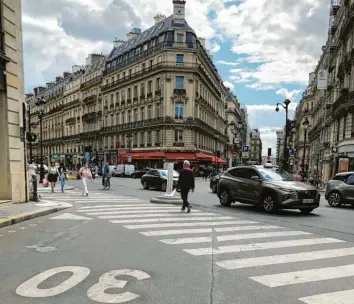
(105, 171)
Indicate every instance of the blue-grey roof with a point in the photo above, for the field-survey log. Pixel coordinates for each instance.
(99, 64)
(54, 88)
(154, 31)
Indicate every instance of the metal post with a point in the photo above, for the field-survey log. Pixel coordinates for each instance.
(29, 132)
(41, 170)
(304, 154)
(286, 153)
(34, 187)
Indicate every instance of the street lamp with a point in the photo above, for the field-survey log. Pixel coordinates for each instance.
(216, 151)
(129, 141)
(305, 124)
(285, 105)
(40, 103)
(236, 131)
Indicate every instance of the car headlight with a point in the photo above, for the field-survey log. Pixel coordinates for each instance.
(286, 190)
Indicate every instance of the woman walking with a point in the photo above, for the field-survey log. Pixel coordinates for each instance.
(62, 176)
(85, 174)
(53, 176)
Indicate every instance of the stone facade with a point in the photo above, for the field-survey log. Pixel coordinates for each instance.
(12, 166)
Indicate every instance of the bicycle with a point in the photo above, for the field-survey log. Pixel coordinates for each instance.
(107, 182)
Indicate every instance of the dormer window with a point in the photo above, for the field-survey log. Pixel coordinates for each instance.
(180, 37)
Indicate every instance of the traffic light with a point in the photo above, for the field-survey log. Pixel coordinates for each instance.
(31, 137)
(269, 151)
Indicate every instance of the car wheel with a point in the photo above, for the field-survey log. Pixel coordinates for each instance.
(269, 203)
(225, 199)
(334, 199)
(145, 185)
(214, 188)
(163, 186)
(306, 210)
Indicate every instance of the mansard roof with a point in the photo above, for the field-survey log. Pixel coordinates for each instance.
(99, 64)
(154, 31)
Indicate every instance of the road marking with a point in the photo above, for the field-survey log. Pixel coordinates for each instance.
(261, 246)
(339, 297)
(11, 231)
(241, 228)
(305, 276)
(127, 216)
(42, 249)
(113, 205)
(69, 216)
(23, 228)
(172, 232)
(30, 288)
(147, 208)
(246, 236)
(193, 224)
(185, 218)
(187, 240)
(286, 258)
(1, 235)
(167, 211)
(109, 208)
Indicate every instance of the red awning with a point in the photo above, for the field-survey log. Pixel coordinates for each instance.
(218, 160)
(211, 158)
(203, 156)
(144, 155)
(180, 156)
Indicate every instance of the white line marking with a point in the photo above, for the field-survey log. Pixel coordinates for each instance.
(115, 204)
(261, 246)
(172, 232)
(246, 236)
(305, 276)
(23, 228)
(111, 207)
(286, 258)
(11, 231)
(1, 235)
(127, 216)
(146, 208)
(242, 228)
(69, 216)
(187, 240)
(168, 219)
(339, 297)
(192, 224)
(166, 211)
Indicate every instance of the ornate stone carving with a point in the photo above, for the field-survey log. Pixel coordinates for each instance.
(179, 98)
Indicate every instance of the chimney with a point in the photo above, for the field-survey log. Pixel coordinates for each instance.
(134, 33)
(41, 89)
(58, 79)
(159, 17)
(179, 11)
(202, 42)
(117, 43)
(35, 91)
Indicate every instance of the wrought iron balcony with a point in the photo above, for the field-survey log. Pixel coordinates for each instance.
(70, 121)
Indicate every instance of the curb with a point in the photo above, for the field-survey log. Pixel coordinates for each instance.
(27, 216)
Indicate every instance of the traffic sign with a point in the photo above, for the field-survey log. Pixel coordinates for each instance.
(245, 151)
(234, 155)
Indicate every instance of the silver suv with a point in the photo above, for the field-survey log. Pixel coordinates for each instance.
(340, 189)
(268, 188)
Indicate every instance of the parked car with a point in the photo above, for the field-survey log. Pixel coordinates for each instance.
(214, 182)
(123, 170)
(140, 173)
(267, 188)
(340, 189)
(157, 179)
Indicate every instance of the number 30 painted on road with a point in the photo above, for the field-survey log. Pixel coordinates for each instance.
(96, 292)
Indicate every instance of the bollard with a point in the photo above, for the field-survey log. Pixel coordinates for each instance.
(34, 186)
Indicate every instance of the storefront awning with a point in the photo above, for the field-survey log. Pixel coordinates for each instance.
(211, 158)
(218, 160)
(181, 156)
(144, 155)
(203, 156)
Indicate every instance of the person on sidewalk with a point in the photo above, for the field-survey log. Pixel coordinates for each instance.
(52, 176)
(186, 183)
(105, 171)
(62, 176)
(85, 174)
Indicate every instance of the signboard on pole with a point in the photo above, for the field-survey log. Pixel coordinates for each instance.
(129, 158)
(245, 151)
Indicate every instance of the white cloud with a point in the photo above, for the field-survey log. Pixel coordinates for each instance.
(288, 94)
(269, 139)
(229, 85)
(283, 42)
(227, 63)
(214, 47)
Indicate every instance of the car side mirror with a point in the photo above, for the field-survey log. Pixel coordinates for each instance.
(256, 178)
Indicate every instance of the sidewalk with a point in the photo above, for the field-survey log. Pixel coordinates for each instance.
(11, 214)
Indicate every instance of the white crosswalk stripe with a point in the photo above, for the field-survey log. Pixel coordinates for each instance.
(228, 236)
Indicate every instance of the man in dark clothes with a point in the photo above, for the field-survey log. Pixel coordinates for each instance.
(186, 183)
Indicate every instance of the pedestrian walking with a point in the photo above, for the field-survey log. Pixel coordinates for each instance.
(85, 174)
(186, 183)
(52, 176)
(62, 176)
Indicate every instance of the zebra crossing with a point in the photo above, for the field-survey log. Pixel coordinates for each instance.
(237, 244)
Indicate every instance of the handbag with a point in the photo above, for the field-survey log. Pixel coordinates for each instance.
(45, 182)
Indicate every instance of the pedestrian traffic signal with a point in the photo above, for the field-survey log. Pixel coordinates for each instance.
(31, 137)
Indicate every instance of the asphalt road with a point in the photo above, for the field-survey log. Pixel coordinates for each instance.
(116, 247)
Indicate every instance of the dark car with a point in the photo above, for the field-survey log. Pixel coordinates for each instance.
(157, 179)
(267, 188)
(340, 189)
(140, 173)
(214, 182)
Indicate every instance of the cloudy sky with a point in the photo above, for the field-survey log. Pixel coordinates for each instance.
(264, 49)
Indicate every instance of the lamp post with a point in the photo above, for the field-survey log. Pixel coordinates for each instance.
(40, 103)
(236, 131)
(129, 141)
(285, 105)
(305, 124)
(216, 152)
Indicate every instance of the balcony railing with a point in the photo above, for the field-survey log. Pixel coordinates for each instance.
(70, 121)
(71, 104)
(89, 99)
(95, 81)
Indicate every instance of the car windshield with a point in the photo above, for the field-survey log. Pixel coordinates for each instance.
(276, 175)
(164, 173)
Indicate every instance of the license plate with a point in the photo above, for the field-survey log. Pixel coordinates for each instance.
(307, 201)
